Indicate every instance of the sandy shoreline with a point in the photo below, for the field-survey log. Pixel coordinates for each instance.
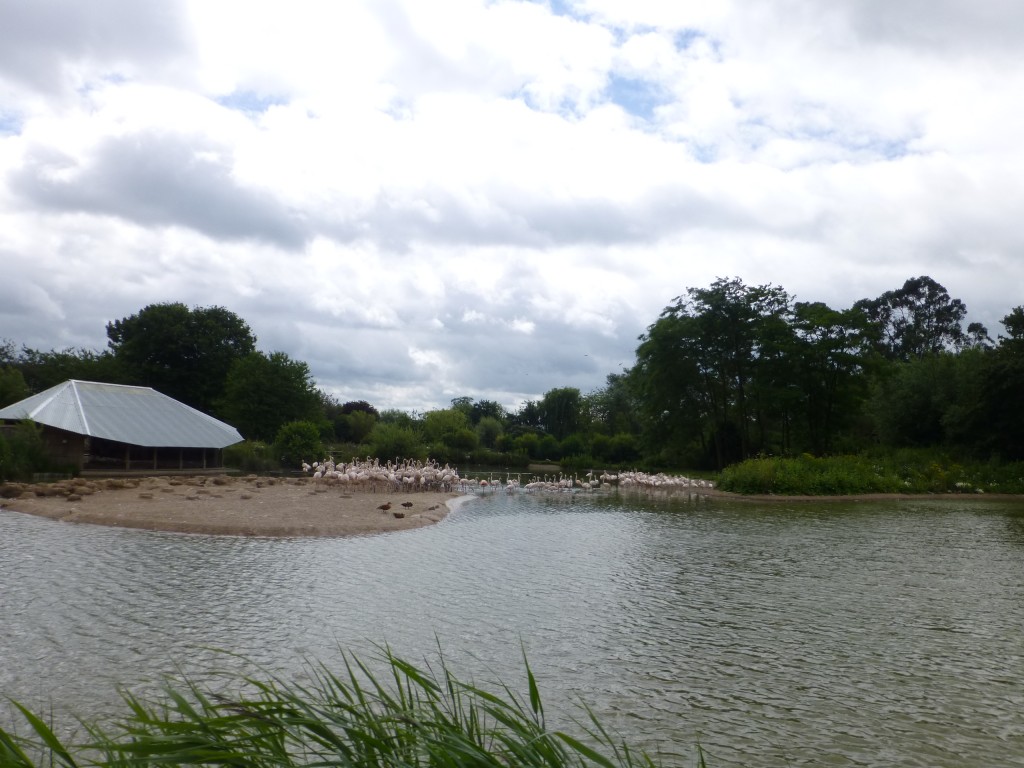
(260, 506)
(244, 506)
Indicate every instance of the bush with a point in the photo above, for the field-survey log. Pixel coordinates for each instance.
(549, 448)
(575, 445)
(298, 441)
(902, 471)
(23, 453)
(389, 440)
(6, 460)
(251, 456)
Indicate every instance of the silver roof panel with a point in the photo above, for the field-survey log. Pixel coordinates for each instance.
(134, 415)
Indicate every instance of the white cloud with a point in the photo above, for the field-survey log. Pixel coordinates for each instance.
(488, 198)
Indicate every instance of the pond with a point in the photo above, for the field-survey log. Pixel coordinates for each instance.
(873, 633)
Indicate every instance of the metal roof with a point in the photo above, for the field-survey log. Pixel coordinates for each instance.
(134, 415)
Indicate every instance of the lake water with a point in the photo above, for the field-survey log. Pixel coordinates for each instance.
(775, 635)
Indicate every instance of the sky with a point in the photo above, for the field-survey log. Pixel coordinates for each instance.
(456, 198)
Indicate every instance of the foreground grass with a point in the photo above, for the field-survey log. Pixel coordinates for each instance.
(906, 471)
(409, 716)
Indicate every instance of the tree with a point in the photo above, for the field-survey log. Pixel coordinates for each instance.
(919, 319)
(478, 409)
(708, 368)
(399, 418)
(489, 429)
(12, 386)
(829, 359)
(997, 414)
(528, 415)
(1014, 324)
(361, 406)
(615, 407)
(446, 427)
(358, 425)
(181, 352)
(298, 441)
(390, 440)
(42, 370)
(560, 411)
(487, 409)
(263, 392)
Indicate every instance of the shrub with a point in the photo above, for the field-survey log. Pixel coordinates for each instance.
(23, 452)
(298, 441)
(6, 460)
(389, 440)
(251, 456)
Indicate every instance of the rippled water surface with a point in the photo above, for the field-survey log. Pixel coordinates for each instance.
(845, 634)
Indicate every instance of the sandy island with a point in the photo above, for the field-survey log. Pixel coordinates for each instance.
(225, 505)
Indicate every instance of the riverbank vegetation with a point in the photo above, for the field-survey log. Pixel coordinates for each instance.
(406, 716)
(727, 374)
(918, 471)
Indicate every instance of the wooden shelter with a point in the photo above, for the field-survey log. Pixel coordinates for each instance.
(112, 427)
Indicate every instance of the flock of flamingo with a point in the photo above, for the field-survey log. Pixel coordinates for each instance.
(409, 475)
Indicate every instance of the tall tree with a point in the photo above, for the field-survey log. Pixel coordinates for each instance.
(1000, 415)
(919, 319)
(709, 360)
(561, 411)
(830, 361)
(43, 370)
(184, 353)
(264, 392)
(614, 407)
(12, 385)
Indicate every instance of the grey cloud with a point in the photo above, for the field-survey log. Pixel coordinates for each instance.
(40, 39)
(940, 25)
(517, 218)
(157, 180)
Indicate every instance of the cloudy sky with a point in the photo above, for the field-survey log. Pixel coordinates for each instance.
(428, 200)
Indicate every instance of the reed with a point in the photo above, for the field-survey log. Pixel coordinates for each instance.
(405, 717)
(920, 471)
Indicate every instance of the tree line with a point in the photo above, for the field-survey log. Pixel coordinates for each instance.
(726, 372)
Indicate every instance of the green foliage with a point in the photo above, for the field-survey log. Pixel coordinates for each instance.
(619, 449)
(42, 370)
(7, 469)
(561, 411)
(251, 456)
(615, 408)
(12, 386)
(485, 457)
(575, 444)
(23, 452)
(709, 369)
(403, 717)
(263, 392)
(917, 320)
(441, 426)
(489, 429)
(181, 352)
(398, 418)
(296, 442)
(389, 440)
(549, 448)
(358, 425)
(528, 443)
(463, 440)
(906, 471)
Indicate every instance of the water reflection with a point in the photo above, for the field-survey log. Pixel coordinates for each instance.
(850, 634)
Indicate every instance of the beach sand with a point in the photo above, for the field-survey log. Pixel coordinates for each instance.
(225, 505)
